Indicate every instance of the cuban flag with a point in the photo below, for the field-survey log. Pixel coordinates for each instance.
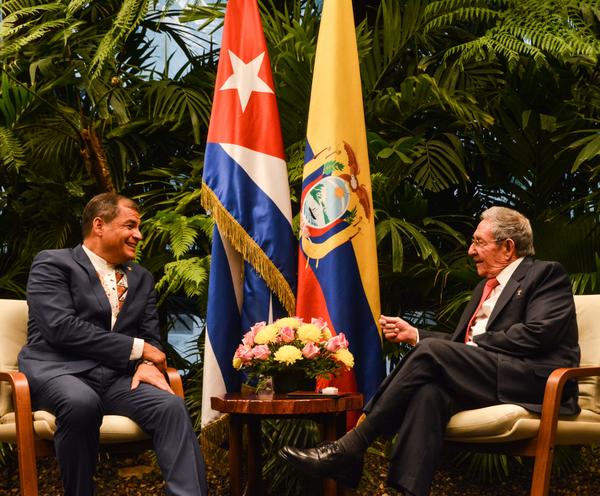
(337, 271)
(245, 187)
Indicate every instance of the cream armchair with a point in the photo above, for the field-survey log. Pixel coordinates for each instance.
(512, 429)
(33, 432)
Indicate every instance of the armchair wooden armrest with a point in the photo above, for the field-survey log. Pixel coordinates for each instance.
(175, 381)
(24, 427)
(548, 423)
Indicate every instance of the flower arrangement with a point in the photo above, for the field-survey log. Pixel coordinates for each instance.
(290, 343)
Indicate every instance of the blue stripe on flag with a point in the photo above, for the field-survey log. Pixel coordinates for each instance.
(222, 314)
(257, 300)
(264, 222)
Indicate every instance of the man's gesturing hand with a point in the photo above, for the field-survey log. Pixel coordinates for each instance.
(397, 330)
(151, 375)
(154, 355)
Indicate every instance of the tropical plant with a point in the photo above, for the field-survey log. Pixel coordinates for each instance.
(468, 103)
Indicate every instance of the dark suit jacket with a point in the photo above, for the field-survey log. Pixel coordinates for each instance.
(69, 317)
(533, 330)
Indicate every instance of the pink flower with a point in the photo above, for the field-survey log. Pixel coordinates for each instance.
(319, 322)
(336, 343)
(248, 338)
(244, 353)
(287, 334)
(261, 352)
(258, 326)
(310, 350)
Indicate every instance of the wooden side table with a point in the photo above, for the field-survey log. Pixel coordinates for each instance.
(249, 409)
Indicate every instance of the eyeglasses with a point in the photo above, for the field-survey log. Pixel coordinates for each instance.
(480, 243)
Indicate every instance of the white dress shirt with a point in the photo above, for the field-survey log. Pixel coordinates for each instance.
(107, 275)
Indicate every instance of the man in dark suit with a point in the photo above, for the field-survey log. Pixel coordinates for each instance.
(518, 327)
(94, 349)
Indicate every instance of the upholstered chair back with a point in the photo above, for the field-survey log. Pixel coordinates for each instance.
(13, 336)
(588, 322)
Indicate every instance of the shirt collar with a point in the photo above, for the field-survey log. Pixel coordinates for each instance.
(98, 262)
(507, 272)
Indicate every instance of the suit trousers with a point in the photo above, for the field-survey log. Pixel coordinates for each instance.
(434, 381)
(79, 403)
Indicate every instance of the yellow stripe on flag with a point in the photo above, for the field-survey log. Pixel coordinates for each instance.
(336, 117)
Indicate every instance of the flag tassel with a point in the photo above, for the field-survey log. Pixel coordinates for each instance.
(249, 249)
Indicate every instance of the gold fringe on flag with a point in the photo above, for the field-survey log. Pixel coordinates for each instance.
(213, 437)
(251, 252)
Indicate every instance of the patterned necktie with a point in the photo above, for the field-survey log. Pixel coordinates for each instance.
(121, 286)
(487, 290)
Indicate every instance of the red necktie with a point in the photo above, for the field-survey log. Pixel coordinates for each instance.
(488, 288)
(121, 286)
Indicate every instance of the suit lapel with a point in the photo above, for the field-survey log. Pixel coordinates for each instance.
(511, 287)
(82, 259)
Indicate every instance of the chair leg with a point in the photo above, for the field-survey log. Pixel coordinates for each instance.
(542, 468)
(27, 472)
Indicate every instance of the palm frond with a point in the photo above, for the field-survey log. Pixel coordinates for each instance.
(189, 275)
(13, 43)
(15, 100)
(401, 231)
(128, 18)
(12, 153)
(174, 105)
(438, 164)
(531, 29)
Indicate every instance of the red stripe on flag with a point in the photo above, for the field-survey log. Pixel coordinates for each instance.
(252, 127)
(311, 301)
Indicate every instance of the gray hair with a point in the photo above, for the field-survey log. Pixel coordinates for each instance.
(510, 224)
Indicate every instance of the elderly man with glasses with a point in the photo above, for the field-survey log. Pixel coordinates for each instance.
(519, 326)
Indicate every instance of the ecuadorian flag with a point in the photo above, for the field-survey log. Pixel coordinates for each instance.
(245, 187)
(337, 272)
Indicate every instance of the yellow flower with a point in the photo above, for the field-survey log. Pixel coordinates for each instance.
(345, 357)
(287, 354)
(292, 322)
(268, 334)
(309, 332)
(326, 333)
(237, 363)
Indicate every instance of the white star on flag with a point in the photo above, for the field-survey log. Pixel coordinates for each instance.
(245, 78)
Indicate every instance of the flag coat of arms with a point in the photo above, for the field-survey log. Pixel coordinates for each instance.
(337, 271)
(245, 187)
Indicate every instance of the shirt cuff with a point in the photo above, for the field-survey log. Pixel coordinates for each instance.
(137, 350)
(418, 338)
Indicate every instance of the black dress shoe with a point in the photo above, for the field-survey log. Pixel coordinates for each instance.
(328, 460)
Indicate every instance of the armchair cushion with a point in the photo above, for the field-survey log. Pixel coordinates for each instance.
(504, 423)
(114, 428)
(500, 422)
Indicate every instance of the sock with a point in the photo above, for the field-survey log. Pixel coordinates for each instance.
(358, 439)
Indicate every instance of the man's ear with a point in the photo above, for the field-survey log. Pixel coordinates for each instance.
(511, 249)
(97, 226)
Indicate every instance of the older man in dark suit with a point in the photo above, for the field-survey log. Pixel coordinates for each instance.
(94, 349)
(518, 327)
